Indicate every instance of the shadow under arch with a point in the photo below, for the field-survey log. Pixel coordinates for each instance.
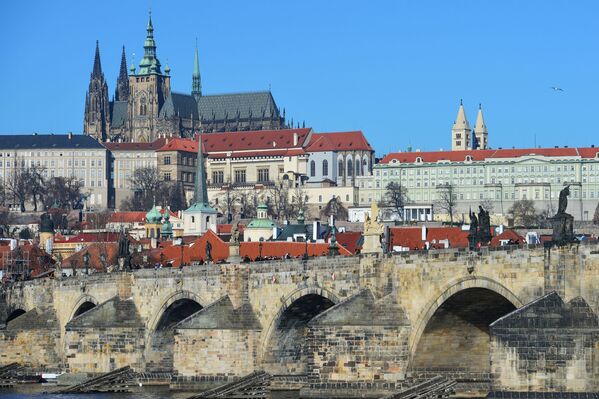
(453, 330)
(14, 314)
(160, 333)
(283, 343)
(83, 304)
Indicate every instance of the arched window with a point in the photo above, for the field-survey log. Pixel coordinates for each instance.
(350, 168)
(341, 169)
(364, 167)
(325, 167)
(142, 106)
(312, 168)
(357, 167)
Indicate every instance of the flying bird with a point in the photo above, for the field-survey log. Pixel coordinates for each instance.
(554, 88)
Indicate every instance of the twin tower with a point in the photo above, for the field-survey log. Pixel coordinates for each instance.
(462, 137)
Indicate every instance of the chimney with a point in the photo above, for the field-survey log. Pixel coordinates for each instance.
(315, 228)
(423, 233)
(294, 139)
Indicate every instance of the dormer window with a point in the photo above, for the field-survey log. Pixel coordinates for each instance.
(418, 160)
(597, 155)
(468, 158)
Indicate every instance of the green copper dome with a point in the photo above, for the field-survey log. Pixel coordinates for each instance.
(154, 215)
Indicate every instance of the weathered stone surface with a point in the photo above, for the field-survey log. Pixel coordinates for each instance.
(547, 345)
(221, 315)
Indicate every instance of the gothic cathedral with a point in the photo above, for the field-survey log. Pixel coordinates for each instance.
(144, 108)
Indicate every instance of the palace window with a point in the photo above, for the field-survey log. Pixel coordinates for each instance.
(350, 168)
(167, 160)
(312, 168)
(340, 169)
(325, 167)
(167, 176)
(218, 176)
(263, 175)
(240, 176)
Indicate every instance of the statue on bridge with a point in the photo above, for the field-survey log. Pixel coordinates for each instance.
(480, 228)
(372, 232)
(562, 222)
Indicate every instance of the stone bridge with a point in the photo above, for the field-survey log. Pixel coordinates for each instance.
(362, 320)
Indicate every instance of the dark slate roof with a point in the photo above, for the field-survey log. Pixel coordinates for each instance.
(290, 230)
(47, 141)
(221, 104)
(119, 114)
(180, 104)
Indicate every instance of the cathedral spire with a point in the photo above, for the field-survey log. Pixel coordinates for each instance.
(122, 83)
(196, 81)
(149, 63)
(97, 71)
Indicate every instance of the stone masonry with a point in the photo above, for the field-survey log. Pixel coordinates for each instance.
(365, 320)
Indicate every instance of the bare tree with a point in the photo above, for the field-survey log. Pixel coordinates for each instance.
(65, 192)
(396, 197)
(145, 183)
(299, 200)
(524, 213)
(278, 202)
(335, 208)
(6, 221)
(447, 200)
(37, 184)
(226, 200)
(17, 184)
(248, 202)
(488, 205)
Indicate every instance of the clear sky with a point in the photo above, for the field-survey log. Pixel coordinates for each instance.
(394, 69)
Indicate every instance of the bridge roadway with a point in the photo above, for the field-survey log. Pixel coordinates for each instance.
(335, 319)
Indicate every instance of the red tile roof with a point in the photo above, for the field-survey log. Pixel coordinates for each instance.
(196, 251)
(90, 237)
(507, 235)
(350, 240)
(250, 141)
(226, 228)
(338, 141)
(480, 155)
(410, 237)
(127, 217)
(153, 146)
(109, 249)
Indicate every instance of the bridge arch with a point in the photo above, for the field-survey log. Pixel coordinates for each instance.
(13, 314)
(452, 331)
(160, 333)
(83, 304)
(282, 349)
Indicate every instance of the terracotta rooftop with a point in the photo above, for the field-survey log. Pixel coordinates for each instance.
(338, 141)
(411, 237)
(480, 155)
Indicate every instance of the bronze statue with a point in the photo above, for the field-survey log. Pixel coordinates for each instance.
(208, 251)
(473, 223)
(563, 200)
(46, 223)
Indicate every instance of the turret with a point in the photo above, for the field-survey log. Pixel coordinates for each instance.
(481, 134)
(96, 118)
(460, 133)
(150, 63)
(122, 84)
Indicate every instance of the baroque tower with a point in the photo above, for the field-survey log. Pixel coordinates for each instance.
(122, 84)
(460, 133)
(148, 89)
(96, 119)
(481, 134)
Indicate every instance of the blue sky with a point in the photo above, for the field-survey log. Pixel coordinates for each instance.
(394, 69)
